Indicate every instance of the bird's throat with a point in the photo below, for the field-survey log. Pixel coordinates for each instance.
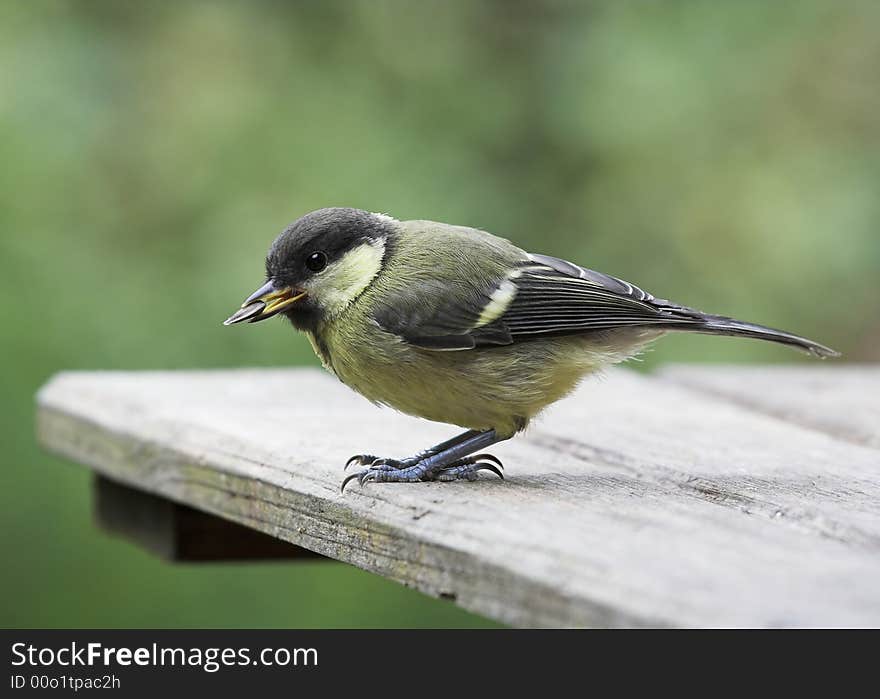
(321, 350)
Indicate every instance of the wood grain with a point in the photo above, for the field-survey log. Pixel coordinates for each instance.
(842, 401)
(635, 502)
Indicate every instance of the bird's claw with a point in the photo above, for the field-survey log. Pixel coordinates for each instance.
(482, 457)
(411, 470)
(467, 469)
(346, 480)
(374, 461)
(360, 460)
(369, 474)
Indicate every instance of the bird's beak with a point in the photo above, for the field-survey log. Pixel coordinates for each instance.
(264, 303)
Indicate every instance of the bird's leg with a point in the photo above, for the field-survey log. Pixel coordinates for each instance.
(372, 460)
(448, 461)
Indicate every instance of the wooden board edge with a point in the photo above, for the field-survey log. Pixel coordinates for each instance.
(493, 591)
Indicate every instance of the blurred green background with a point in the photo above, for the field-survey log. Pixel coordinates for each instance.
(725, 155)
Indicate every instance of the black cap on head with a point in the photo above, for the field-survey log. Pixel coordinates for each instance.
(329, 232)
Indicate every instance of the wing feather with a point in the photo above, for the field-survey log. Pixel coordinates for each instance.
(552, 297)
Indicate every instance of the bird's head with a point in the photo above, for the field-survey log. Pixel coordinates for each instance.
(318, 265)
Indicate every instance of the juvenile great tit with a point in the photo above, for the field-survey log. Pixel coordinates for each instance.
(456, 325)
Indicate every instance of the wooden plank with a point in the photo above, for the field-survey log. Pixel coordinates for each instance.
(635, 502)
(181, 533)
(840, 400)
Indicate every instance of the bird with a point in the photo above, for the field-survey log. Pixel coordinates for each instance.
(459, 326)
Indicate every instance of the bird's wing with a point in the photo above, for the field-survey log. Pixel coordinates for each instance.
(541, 296)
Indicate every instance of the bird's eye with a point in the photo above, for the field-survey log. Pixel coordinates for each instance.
(316, 261)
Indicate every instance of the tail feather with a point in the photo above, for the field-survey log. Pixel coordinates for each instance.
(720, 325)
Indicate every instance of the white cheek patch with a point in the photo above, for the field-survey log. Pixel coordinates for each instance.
(344, 280)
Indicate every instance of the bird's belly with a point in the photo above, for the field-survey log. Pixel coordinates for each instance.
(499, 388)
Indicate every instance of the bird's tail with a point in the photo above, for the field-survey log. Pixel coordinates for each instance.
(721, 325)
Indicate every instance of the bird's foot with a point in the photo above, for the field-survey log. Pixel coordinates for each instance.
(414, 469)
(375, 461)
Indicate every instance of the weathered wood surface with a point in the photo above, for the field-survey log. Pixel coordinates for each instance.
(637, 501)
(840, 400)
